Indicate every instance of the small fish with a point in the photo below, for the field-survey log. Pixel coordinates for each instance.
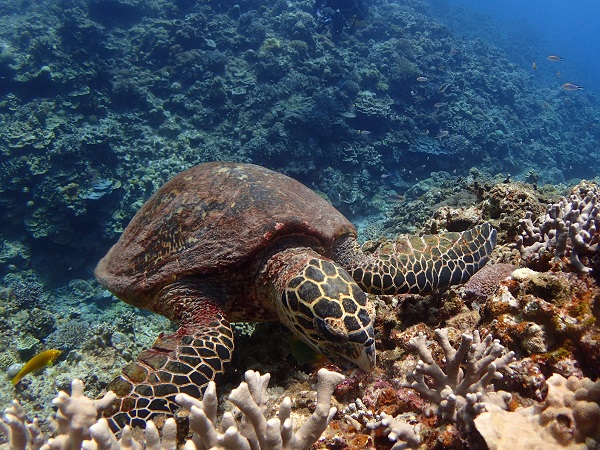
(422, 79)
(571, 87)
(36, 363)
(384, 175)
(364, 132)
(533, 65)
(444, 86)
(441, 134)
(554, 58)
(439, 104)
(557, 74)
(396, 198)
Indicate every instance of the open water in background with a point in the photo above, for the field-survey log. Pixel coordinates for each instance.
(531, 30)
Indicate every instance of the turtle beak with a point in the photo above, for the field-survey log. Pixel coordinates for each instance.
(352, 355)
(364, 360)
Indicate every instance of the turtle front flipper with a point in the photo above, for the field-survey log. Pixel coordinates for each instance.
(418, 264)
(184, 361)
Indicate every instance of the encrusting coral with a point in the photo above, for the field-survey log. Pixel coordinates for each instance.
(78, 425)
(569, 417)
(486, 281)
(568, 227)
(460, 393)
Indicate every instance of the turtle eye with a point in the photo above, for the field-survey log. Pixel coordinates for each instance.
(332, 330)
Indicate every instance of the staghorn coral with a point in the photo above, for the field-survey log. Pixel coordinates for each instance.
(459, 393)
(567, 418)
(568, 227)
(78, 427)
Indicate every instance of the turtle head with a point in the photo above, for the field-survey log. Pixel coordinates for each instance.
(326, 309)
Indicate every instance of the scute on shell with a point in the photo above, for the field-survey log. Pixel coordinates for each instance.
(214, 219)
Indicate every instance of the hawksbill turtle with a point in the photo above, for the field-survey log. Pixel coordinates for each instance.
(227, 242)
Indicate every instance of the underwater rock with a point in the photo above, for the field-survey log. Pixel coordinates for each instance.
(454, 219)
(545, 315)
(534, 339)
(507, 203)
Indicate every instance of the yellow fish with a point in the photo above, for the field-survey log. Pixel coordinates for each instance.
(36, 363)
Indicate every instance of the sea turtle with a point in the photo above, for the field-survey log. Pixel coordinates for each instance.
(227, 242)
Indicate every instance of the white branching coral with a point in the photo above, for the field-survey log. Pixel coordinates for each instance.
(75, 417)
(76, 414)
(78, 425)
(570, 226)
(460, 391)
(255, 431)
(18, 432)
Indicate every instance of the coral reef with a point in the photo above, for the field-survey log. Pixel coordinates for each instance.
(101, 102)
(95, 117)
(548, 318)
(78, 425)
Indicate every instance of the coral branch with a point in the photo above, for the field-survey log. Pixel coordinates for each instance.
(460, 391)
(568, 227)
(79, 427)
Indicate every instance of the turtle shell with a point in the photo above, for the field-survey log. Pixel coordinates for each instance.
(215, 219)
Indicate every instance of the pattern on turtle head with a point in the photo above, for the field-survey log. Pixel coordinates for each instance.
(325, 308)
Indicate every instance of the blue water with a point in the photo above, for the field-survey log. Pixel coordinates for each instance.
(534, 29)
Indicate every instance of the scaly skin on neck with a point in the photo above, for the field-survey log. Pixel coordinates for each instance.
(417, 264)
